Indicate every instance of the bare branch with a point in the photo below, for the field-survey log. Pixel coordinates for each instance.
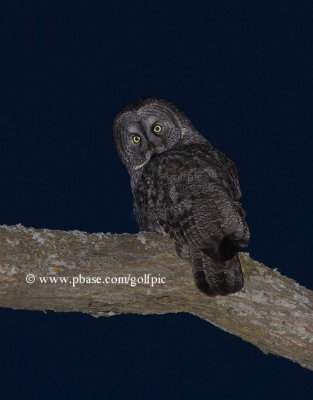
(273, 312)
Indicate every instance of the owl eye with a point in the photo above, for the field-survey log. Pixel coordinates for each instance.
(157, 128)
(136, 139)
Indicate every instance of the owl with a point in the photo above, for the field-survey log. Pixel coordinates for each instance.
(185, 188)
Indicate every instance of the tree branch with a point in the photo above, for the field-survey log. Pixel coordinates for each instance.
(273, 312)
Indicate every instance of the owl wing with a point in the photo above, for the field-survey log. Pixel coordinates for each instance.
(193, 204)
(219, 168)
(204, 218)
(226, 172)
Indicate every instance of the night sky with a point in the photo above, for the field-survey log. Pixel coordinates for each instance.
(241, 71)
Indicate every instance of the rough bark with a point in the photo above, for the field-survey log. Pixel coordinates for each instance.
(273, 312)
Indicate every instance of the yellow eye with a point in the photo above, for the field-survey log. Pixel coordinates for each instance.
(157, 128)
(136, 139)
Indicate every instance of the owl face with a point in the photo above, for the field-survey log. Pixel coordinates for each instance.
(145, 129)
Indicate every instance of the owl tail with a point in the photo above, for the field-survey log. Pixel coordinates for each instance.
(216, 278)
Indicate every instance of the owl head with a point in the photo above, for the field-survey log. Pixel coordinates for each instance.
(146, 128)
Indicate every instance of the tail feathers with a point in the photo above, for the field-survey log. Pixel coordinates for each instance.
(216, 277)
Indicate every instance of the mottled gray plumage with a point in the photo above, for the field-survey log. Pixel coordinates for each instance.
(184, 187)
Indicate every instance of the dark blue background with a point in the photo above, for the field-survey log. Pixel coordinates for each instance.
(241, 72)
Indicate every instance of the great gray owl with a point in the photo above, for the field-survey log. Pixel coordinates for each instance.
(184, 187)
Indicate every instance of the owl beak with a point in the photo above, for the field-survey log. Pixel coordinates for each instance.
(151, 147)
(155, 149)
